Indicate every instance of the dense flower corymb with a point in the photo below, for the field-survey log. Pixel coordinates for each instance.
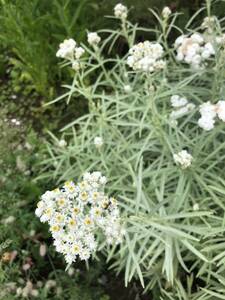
(69, 50)
(193, 50)
(209, 112)
(183, 158)
(181, 106)
(146, 56)
(93, 39)
(77, 212)
(120, 11)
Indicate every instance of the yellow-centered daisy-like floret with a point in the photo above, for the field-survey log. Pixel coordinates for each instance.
(61, 202)
(59, 217)
(48, 212)
(97, 212)
(87, 221)
(95, 195)
(72, 222)
(83, 185)
(76, 249)
(76, 210)
(84, 196)
(55, 228)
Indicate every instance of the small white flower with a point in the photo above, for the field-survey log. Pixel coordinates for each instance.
(98, 141)
(93, 38)
(220, 109)
(193, 50)
(79, 51)
(62, 143)
(166, 12)
(208, 109)
(183, 158)
(206, 123)
(127, 88)
(66, 49)
(177, 101)
(120, 11)
(208, 22)
(195, 207)
(146, 56)
(70, 51)
(76, 65)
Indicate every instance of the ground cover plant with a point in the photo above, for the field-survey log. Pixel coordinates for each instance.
(155, 129)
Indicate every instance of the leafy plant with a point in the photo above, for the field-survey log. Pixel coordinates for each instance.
(174, 216)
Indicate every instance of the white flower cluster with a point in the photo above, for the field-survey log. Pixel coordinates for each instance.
(166, 12)
(209, 112)
(183, 158)
(209, 22)
(75, 214)
(120, 11)
(146, 56)
(93, 39)
(181, 107)
(193, 50)
(69, 50)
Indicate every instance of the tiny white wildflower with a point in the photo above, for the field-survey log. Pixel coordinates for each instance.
(93, 38)
(62, 143)
(66, 49)
(177, 101)
(195, 207)
(120, 11)
(98, 141)
(146, 56)
(220, 109)
(70, 51)
(127, 88)
(183, 158)
(193, 50)
(166, 12)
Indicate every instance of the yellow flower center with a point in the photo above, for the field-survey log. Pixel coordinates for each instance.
(59, 218)
(83, 185)
(55, 228)
(84, 196)
(48, 212)
(76, 248)
(88, 221)
(76, 210)
(95, 195)
(72, 222)
(97, 212)
(61, 202)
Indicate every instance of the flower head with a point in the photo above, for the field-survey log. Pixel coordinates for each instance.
(183, 158)
(70, 51)
(166, 12)
(120, 11)
(146, 56)
(193, 50)
(93, 38)
(75, 214)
